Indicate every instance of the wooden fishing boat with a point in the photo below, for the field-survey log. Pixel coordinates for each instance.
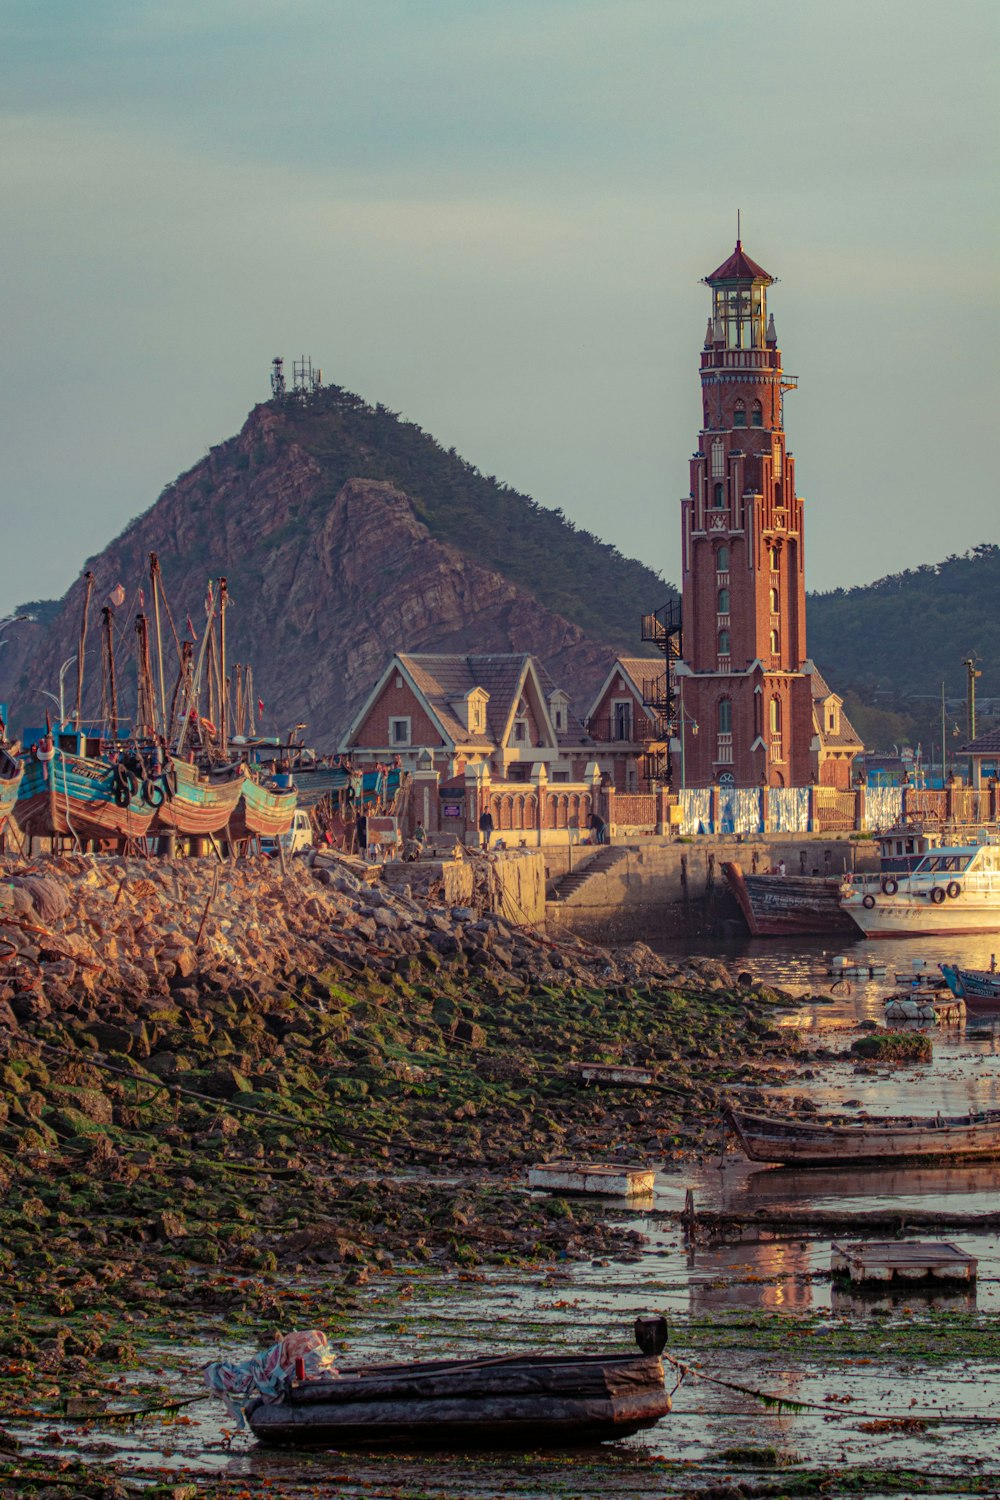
(863, 1140)
(979, 988)
(199, 801)
(520, 1399)
(780, 905)
(264, 810)
(11, 772)
(75, 796)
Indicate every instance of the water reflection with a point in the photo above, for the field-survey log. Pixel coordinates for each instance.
(851, 1301)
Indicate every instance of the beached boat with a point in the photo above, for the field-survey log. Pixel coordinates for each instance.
(264, 810)
(519, 1399)
(863, 1140)
(809, 905)
(198, 801)
(954, 889)
(76, 796)
(11, 772)
(979, 988)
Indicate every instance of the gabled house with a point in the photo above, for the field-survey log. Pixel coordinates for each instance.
(835, 741)
(628, 733)
(450, 712)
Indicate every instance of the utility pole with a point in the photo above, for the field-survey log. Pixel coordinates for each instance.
(969, 663)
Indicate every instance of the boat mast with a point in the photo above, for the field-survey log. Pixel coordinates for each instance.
(89, 577)
(109, 663)
(154, 582)
(223, 684)
(146, 702)
(191, 699)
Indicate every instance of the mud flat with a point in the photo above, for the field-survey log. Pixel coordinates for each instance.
(231, 1099)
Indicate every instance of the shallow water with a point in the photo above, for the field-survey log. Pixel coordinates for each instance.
(713, 1294)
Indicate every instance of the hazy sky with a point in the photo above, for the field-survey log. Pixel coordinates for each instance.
(492, 216)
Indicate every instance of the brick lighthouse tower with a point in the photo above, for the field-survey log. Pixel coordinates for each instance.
(747, 695)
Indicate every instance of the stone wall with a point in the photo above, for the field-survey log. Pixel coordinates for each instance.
(661, 888)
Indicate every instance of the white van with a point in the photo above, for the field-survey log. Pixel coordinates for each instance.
(297, 840)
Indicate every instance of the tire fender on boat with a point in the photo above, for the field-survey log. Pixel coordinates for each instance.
(890, 886)
(153, 793)
(937, 895)
(868, 901)
(954, 889)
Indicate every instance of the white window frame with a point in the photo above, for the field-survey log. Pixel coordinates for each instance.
(404, 719)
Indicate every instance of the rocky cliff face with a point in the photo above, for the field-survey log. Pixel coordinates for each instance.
(326, 578)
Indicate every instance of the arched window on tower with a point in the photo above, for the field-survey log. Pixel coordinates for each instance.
(774, 601)
(718, 460)
(773, 555)
(723, 604)
(775, 643)
(739, 414)
(775, 716)
(724, 643)
(719, 497)
(722, 560)
(725, 716)
(756, 415)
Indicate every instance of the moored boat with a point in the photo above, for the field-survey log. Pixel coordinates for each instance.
(979, 988)
(265, 810)
(863, 1140)
(527, 1399)
(75, 796)
(198, 801)
(954, 889)
(11, 772)
(776, 905)
(779, 905)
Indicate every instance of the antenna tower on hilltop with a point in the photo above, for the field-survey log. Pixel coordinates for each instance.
(305, 380)
(278, 377)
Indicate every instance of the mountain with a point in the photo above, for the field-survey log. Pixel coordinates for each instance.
(911, 631)
(346, 534)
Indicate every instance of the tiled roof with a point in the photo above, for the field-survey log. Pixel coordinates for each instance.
(983, 744)
(444, 681)
(642, 669)
(739, 266)
(847, 735)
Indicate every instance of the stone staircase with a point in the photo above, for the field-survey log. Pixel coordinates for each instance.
(571, 884)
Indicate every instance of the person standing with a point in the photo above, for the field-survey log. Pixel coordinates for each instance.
(486, 828)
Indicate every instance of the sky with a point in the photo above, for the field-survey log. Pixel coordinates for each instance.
(492, 216)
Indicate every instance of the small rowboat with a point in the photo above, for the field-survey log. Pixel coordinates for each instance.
(521, 1399)
(979, 988)
(263, 811)
(11, 772)
(863, 1140)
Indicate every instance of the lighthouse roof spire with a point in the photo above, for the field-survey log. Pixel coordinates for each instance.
(739, 267)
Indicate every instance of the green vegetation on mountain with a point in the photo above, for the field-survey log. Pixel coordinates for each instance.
(568, 570)
(911, 632)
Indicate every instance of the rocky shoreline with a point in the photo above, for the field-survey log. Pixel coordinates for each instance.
(215, 1076)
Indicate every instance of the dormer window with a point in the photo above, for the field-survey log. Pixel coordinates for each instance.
(560, 725)
(520, 731)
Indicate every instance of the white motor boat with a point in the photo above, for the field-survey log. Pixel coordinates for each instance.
(954, 889)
